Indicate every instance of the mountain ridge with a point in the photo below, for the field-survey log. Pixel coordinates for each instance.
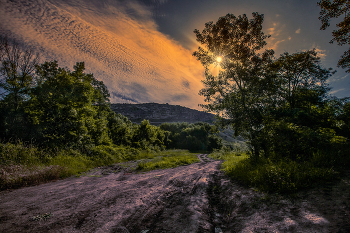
(160, 113)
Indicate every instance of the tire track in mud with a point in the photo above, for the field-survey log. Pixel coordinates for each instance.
(211, 218)
(204, 158)
(184, 208)
(216, 206)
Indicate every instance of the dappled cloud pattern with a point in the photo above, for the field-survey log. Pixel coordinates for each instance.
(118, 41)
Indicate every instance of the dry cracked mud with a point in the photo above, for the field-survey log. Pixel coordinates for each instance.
(192, 198)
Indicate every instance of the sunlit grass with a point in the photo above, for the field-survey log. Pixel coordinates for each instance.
(169, 159)
(23, 165)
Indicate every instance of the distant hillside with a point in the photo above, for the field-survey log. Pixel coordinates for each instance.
(160, 113)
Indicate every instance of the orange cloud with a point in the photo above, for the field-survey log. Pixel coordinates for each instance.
(129, 54)
(276, 38)
(321, 53)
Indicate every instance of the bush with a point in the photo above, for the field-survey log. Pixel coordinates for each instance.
(20, 153)
(199, 136)
(335, 156)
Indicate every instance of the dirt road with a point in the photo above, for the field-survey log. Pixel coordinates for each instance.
(193, 198)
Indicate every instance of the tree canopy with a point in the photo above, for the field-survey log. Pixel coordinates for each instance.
(63, 106)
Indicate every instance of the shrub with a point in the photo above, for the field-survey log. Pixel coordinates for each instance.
(199, 136)
(20, 153)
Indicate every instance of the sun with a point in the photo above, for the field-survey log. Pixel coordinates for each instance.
(219, 59)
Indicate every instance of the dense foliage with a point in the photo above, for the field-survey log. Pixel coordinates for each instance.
(194, 137)
(61, 109)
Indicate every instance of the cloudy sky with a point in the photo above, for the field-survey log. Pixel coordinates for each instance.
(142, 49)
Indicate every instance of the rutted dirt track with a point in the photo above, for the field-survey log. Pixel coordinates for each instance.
(193, 198)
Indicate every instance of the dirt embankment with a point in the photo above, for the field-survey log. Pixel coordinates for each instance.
(193, 198)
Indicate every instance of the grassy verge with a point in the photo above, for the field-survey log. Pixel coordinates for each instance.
(23, 165)
(169, 159)
(274, 176)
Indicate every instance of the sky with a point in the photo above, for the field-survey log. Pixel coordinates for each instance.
(142, 49)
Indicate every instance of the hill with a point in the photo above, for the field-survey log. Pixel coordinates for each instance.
(160, 113)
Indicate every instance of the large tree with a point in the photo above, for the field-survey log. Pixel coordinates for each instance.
(301, 114)
(336, 9)
(239, 94)
(65, 107)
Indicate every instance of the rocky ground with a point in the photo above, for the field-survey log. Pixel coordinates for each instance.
(193, 198)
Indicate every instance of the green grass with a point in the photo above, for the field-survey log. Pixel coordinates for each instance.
(274, 176)
(169, 159)
(23, 165)
(228, 156)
